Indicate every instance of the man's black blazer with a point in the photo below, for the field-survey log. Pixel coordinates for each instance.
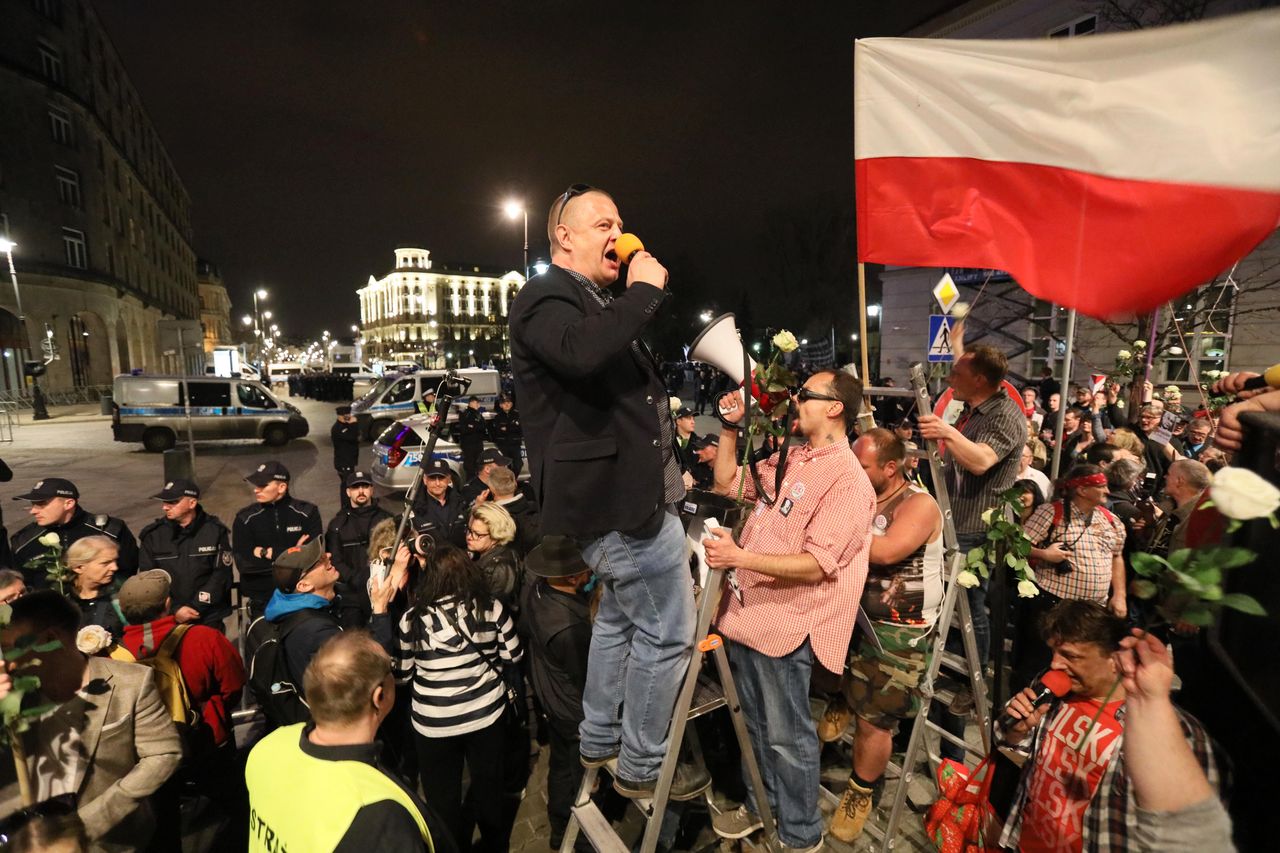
(589, 404)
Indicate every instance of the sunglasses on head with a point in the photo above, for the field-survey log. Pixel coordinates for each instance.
(568, 196)
(804, 395)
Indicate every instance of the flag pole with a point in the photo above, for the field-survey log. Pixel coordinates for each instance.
(1062, 396)
(866, 420)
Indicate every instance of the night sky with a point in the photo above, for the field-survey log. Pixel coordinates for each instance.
(314, 137)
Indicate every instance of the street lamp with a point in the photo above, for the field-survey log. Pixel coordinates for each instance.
(516, 210)
(260, 293)
(39, 412)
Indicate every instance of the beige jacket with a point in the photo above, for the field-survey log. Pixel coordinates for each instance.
(132, 748)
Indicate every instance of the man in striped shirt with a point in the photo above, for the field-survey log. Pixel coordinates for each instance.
(801, 568)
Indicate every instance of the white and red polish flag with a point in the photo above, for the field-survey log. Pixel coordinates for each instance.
(1109, 173)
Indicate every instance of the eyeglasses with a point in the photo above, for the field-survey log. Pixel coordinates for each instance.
(477, 534)
(804, 395)
(568, 196)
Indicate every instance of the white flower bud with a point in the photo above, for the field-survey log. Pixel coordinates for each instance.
(50, 539)
(785, 341)
(967, 579)
(1027, 589)
(92, 639)
(1241, 494)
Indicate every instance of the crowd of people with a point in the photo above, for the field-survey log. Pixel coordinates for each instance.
(405, 682)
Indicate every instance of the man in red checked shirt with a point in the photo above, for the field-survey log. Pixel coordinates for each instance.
(800, 569)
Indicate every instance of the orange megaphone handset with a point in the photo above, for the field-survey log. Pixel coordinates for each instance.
(626, 246)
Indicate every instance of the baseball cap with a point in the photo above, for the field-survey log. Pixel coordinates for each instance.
(684, 412)
(343, 410)
(50, 487)
(145, 590)
(290, 566)
(495, 456)
(437, 468)
(268, 471)
(706, 441)
(358, 478)
(176, 490)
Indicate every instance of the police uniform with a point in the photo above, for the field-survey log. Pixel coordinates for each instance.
(703, 472)
(473, 487)
(469, 432)
(273, 528)
(346, 451)
(449, 519)
(507, 435)
(197, 557)
(27, 548)
(347, 540)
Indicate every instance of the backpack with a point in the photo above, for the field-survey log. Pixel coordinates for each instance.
(169, 681)
(277, 691)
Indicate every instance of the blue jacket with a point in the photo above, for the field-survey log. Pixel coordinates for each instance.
(311, 620)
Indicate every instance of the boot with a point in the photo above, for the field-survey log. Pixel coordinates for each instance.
(851, 814)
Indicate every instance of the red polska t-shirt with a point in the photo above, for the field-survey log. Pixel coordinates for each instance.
(1066, 776)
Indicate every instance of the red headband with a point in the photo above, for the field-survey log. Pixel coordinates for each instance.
(1087, 480)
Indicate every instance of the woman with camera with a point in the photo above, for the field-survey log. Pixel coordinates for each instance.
(1077, 547)
(458, 644)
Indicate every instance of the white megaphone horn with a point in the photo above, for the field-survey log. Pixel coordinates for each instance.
(719, 346)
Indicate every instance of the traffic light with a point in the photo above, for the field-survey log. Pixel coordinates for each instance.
(34, 368)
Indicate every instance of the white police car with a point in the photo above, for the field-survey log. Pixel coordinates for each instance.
(397, 453)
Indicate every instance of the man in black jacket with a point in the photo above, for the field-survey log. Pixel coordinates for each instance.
(345, 435)
(597, 425)
(489, 460)
(195, 549)
(439, 505)
(505, 431)
(347, 540)
(265, 529)
(55, 507)
(469, 432)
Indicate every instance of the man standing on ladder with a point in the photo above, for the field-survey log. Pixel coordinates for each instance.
(983, 455)
(801, 569)
(902, 596)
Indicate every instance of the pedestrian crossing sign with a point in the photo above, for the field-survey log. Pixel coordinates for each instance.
(941, 347)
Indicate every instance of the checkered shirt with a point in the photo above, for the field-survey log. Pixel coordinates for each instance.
(672, 483)
(828, 504)
(1092, 551)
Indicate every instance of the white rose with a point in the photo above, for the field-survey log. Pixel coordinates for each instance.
(92, 639)
(785, 341)
(1124, 353)
(1140, 344)
(675, 403)
(1027, 589)
(960, 311)
(1241, 494)
(967, 579)
(50, 539)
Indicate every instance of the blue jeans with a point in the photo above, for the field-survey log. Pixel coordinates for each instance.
(640, 646)
(775, 702)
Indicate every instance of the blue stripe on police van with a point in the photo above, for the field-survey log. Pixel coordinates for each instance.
(181, 410)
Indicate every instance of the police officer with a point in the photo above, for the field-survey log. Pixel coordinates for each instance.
(705, 451)
(440, 505)
(194, 547)
(427, 405)
(505, 432)
(265, 529)
(489, 459)
(345, 435)
(55, 506)
(347, 539)
(469, 433)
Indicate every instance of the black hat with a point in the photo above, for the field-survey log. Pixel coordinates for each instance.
(437, 468)
(684, 412)
(504, 397)
(177, 490)
(556, 557)
(267, 472)
(290, 566)
(51, 487)
(358, 478)
(343, 410)
(706, 441)
(495, 456)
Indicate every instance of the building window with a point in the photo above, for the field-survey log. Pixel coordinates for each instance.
(50, 62)
(1204, 317)
(68, 185)
(77, 252)
(60, 126)
(1085, 26)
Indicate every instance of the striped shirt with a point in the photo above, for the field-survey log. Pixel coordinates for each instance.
(999, 423)
(824, 509)
(454, 690)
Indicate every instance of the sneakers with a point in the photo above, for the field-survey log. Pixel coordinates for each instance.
(690, 781)
(834, 720)
(593, 763)
(738, 823)
(851, 813)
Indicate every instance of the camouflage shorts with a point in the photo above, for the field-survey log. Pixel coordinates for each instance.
(881, 687)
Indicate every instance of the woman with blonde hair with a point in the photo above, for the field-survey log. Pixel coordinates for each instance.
(92, 562)
(490, 531)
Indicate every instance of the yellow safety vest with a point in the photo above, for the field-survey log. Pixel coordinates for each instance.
(302, 804)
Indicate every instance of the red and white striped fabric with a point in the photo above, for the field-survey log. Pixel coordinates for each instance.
(1109, 174)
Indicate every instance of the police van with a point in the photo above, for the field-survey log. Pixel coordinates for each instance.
(153, 410)
(396, 395)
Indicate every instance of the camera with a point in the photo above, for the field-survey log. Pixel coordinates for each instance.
(1064, 568)
(424, 540)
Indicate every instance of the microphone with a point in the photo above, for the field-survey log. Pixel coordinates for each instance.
(1270, 377)
(1054, 683)
(626, 246)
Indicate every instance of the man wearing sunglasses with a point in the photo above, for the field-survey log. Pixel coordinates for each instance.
(600, 445)
(801, 568)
